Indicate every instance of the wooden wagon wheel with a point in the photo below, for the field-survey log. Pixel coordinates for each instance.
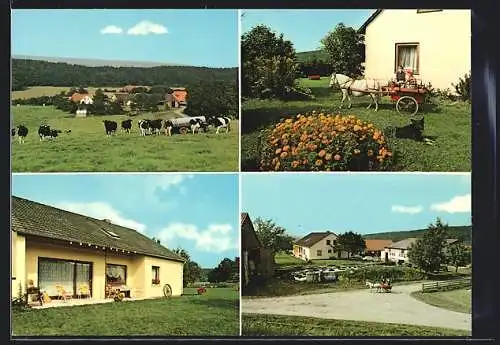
(183, 130)
(407, 105)
(167, 291)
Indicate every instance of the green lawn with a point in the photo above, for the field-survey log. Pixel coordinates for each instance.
(456, 300)
(87, 148)
(449, 125)
(277, 325)
(215, 313)
(38, 91)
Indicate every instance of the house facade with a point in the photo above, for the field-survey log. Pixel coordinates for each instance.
(434, 44)
(59, 250)
(81, 98)
(257, 261)
(178, 97)
(374, 247)
(317, 246)
(398, 251)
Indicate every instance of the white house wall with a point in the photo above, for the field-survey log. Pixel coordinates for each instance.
(444, 39)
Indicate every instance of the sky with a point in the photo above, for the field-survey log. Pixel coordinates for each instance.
(189, 37)
(362, 203)
(198, 212)
(305, 28)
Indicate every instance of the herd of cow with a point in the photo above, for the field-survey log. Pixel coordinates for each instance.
(146, 127)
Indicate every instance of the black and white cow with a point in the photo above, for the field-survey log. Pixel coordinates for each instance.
(144, 127)
(168, 127)
(44, 131)
(22, 132)
(54, 133)
(195, 125)
(110, 127)
(67, 131)
(155, 126)
(126, 125)
(220, 122)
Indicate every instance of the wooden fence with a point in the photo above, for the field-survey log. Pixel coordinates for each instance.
(446, 285)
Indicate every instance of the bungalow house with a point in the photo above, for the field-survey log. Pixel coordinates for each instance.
(398, 251)
(375, 247)
(257, 261)
(434, 44)
(317, 246)
(64, 253)
(81, 98)
(177, 98)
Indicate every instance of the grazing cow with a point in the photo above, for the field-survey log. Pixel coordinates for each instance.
(126, 125)
(13, 132)
(110, 127)
(22, 132)
(168, 127)
(67, 131)
(44, 132)
(220, 122)
(145, 127)
(54, 133)
(155, 126)
(195, 125)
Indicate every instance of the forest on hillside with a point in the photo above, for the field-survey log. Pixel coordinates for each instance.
(463, 233)
(26, 73)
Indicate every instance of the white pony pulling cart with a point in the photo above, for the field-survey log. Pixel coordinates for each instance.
(380, 287)
(408, 97)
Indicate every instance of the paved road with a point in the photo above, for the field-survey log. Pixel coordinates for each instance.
(363, 305)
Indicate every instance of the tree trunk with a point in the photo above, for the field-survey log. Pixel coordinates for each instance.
(456, 269)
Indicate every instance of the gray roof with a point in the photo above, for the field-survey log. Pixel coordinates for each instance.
(406, 243)
(36, 219)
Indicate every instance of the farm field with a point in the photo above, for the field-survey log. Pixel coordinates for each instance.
(282, 325)
(459, 300)
(38, 91)
(215, 313)
(87, 149)
(448, 125)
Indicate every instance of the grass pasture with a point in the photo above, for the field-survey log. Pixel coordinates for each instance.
(38, 91)
(459, 300)
(87, 149)
(280, 325)
(449, 125)
(215, 313)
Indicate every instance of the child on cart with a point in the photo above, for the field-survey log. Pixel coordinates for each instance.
(400, 76)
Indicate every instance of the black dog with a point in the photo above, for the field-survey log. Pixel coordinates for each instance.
(412, 131)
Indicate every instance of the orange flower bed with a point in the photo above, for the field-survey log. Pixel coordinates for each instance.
(324, 142)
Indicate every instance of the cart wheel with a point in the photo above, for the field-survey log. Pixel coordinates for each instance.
(183, 130)
(407, 105)
(167, 291)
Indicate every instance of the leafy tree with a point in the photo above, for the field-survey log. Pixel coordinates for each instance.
(213, 98)
(272, 235)
(268, 62)
(350, 242)
(345, 48)
(458, 255)
(99, 105)
(192, 271)
(223, 272)
(427, 252)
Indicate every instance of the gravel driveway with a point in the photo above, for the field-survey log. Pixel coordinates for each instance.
(362, 305)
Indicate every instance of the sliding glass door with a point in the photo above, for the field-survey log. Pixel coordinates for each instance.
(68, 274)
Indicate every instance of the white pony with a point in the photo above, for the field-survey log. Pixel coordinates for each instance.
(373, 285)
(356, 87)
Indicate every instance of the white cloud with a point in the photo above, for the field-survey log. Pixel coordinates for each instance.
(111, 29)
(146, 27)
(214, 239)
(101, 210)
(457, 204)
(164, 182)
(407, 209)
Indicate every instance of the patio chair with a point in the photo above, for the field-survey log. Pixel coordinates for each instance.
(84, 290)
(62, 293)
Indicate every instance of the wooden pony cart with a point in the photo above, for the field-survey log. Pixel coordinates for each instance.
(408, 97)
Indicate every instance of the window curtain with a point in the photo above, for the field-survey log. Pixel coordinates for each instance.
(82, 275)
(115, 274)
(53, 273)
(408, 57)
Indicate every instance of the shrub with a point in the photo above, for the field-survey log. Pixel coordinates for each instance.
(375, 273)
(319, 142)
(462, 88)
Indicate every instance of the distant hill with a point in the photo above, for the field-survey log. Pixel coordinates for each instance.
(27, 73)
(309, 55)
(461, 232)
(94, 62)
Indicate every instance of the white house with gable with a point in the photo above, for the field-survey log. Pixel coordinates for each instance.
(434, 44)
(316, 246)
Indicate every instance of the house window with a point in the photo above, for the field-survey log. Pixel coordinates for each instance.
(116, 274)
(318, 252)
(327, 242)
(334, 242)
(156, 275)
(427, 11)
(329, 251)
(55, 275)
(407, 55)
